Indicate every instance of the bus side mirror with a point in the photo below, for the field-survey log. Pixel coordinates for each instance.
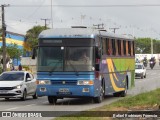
(97, 67)
(34, 53)
(98, 53)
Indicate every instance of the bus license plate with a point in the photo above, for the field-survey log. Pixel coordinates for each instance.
(64, 90)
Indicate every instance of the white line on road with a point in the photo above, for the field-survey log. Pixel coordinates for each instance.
(12, 108)
(19, 107)
(29, 105)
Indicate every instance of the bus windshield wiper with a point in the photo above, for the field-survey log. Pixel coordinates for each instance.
(55, 66)
(75, 70)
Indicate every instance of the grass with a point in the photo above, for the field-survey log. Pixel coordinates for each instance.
(149, 100)
(145, 99)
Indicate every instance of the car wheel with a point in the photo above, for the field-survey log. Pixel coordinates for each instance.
(145, 75)
(24, 95)
(52, 100)
(142, 76)
(35, 96)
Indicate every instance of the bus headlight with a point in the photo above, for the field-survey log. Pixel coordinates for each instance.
(85, 82)
(44, 82)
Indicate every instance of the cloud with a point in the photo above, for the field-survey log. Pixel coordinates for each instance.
(30, 14)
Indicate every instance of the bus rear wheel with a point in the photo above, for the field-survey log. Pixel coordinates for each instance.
(122, 93)
(52, 100)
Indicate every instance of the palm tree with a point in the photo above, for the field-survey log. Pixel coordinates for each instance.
(32, 37)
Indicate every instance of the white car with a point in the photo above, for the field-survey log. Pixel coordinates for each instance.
(140, 70)
(17, 84)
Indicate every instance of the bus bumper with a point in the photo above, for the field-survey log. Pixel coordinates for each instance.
(66, 91)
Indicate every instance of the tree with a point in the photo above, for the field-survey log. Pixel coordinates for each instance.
(13, 51)
(0, 32)
(156, 45)
(32, 37)
(143, 46)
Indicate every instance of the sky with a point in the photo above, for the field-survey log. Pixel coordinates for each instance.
(138, 18)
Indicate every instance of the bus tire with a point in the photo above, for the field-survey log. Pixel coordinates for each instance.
(124, 93)
(52, 100)
(35, 96)
(116, 94)
(100, 98)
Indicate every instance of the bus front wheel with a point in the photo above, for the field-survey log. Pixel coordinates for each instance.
(100, 98)
(52, 100)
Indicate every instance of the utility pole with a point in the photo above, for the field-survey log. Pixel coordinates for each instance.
(51, 15)
(45, 20)
(151, 47)
(114, 29)
(3, 37)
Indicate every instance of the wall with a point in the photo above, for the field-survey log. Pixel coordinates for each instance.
(14, 38)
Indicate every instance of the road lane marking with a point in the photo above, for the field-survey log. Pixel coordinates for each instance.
(29, 105)
(13, 108)
(19, 107)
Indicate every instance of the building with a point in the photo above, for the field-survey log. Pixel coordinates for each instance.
(14, 38)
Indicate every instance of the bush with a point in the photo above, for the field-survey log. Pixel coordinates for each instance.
(26, 67)
(0, 69)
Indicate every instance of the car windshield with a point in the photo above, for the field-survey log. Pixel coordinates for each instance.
(12, 76)
(138, 67)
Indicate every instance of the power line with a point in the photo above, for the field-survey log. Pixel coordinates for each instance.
(35, 10)
(134, 5)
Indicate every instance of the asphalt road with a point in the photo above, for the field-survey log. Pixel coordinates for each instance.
(41, 104)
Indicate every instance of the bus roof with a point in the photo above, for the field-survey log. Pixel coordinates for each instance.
(79, 33)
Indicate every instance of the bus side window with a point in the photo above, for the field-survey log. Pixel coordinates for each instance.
(104, 46)
(129, 48)
(113, 47)
(133, 48)
(124, 47)
(119, 47)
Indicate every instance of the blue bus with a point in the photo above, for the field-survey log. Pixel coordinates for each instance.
(83, 62)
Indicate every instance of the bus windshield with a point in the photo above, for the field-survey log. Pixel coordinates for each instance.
(65, 59)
